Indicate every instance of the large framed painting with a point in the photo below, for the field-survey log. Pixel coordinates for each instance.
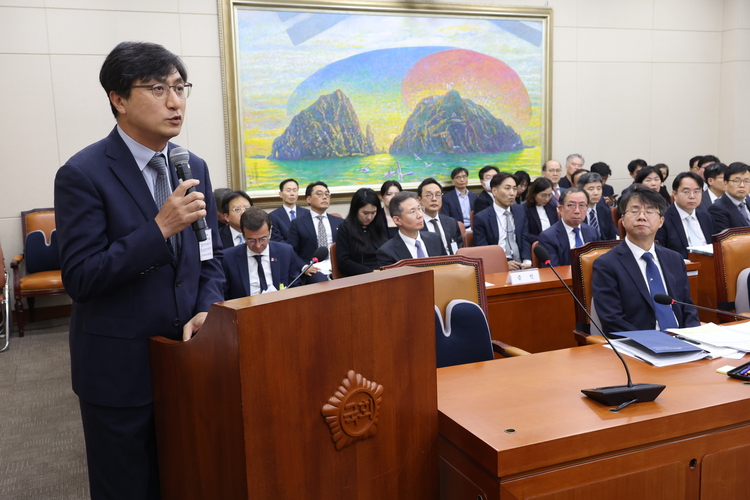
(355, 94)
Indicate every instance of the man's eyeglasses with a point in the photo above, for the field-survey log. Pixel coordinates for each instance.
(739, 182)
(635, 212)
(573, 206)
(161, 90)
(239, 210)
(433, 196)
(253, 241)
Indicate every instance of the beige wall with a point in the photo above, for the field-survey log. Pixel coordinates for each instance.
(659, 79)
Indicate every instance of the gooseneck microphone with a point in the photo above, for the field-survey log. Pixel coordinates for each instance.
(320, 254)
(180, 158)
(616, 395)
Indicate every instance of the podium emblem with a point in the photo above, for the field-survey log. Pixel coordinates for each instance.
(352, 412)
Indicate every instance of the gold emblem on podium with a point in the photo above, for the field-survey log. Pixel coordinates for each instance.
(352, 412)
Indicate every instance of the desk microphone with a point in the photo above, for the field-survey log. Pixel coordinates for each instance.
(320, 254)
(665, 299)
(622, 395)
(180, 157)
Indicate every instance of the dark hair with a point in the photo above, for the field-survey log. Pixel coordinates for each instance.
(219, 194)
(309, 188)
(659, 166)
(714, 170)
(601, 168)
(233, 195)
(394, 207)
(376, 230)
(486, 169)
(500, 178)
(253, 219)
(692, 175)
(589, 178)
(646, 195)
(130, 62)
(429, 180)
(708, 159)
(387, 185)
(633, 165)
(281, 184)
(579, 172)
(522, 176)
(694, 159)
(536, 187)
(573, 190)
(457, 171)
(645, 172)
(735, 168)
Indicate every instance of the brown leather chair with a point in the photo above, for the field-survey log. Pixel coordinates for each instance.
(459, 277)
(493, 257)
(534, 259)
(335, 271)
(731, 257)
(4, 297)
(581, 270)
(462, 230)
(615, 214)
(469, 239)
(621, 229)
(42, 262)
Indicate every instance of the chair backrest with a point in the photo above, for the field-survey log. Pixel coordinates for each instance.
(469, 239)
(731, 256)
(581, 269)
(462, 230)
(456, 277)
(335, 271)
(534, 259)
(465, 335)
(3, 274)
(615, 215)
(742, 299)
(493, 257)
(40, 240)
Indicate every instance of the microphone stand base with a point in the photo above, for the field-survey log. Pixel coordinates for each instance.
(618, 394)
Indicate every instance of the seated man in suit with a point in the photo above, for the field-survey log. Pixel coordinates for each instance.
(552, 171)
(430, 196)
(626, 278)
(283, 216)
(568, 232)
(459, 203)
(731, 210)
(573, 163)
(715, 186)
(258, 266)
(608, 192)
(409, 242)
(233, 205)
(686, 225)
(599, 215)
(485, 200)
(306, 234)
(634, 167)
(505, 224)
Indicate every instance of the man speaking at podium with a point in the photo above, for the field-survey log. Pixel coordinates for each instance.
(626, 278)
(131, 262)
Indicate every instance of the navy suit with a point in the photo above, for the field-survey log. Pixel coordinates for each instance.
(535, 223)
(225, 232)
(705, 201)
(555, 240)
(395, 249)
(303, 235)
(281, 223)
(483, 201)
(285, 266)
(623, 301)
(486, 230)
(450, 230)
(672, 233)
(452, 207)
(726, 214)
(607, 228)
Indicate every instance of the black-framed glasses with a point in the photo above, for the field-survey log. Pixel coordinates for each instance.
(161, 90)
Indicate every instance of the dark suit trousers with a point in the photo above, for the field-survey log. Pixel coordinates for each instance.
(121, 452)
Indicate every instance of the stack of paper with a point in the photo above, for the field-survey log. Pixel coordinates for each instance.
(657, 348)
(733, 337)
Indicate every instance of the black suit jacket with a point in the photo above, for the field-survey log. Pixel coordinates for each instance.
(486, 230)
(555, 240)
(395, 249)
(483, 201)
(607, 228)
(535, 223)
(452, 207)
(285, 266)
(303, 236)
(226, 236)
(281, 223)
(672, 233)
(450, 229)
(726, 215)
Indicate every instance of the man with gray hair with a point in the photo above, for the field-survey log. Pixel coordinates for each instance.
(599, 215)
(572, 163)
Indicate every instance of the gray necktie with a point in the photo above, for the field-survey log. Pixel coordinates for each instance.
(694, 238)
(510, 237)
(161, 190)
(322, 238)
(743, 210)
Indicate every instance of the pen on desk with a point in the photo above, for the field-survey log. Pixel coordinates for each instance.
(745, 371)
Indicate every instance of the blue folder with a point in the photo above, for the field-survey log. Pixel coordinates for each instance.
(659, 342)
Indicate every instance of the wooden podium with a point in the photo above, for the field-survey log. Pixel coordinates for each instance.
(323, 391)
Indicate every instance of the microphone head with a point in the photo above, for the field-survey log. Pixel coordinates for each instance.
(179, 155)
(664, 299)
(320, 254)
(541, 253)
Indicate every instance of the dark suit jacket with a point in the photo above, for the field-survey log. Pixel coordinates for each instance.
(726, 215)
(452, 207)
(281, 223)
(486, 230)
(623, 301)
(353, 262)
(119, 271)
(483, 201)
(556, 242)
(395, 249)
(607, 227)
(285, 266)
(303, 236)
(705, 201)
(672, 233)
(450, 229)
(607, 190)
(225, 232)
(535, 223)
(564, 182)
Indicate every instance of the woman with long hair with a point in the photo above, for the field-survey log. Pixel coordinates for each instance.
(361, 234)
(388, 191)
(540, 212)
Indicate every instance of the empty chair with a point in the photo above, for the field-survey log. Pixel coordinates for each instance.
(731, 251)
(465, 336)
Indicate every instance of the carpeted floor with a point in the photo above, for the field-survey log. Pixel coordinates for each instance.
(42, 453)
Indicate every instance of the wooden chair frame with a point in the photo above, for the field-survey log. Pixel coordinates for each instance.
(726, 285)
(4, 303)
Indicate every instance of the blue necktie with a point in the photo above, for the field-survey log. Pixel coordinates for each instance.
(420, 253)
(664, 313)
(261, 274)
(743, 210)
(578, 240)
(162, 192)
(292, 215)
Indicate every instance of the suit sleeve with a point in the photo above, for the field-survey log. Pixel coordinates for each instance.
(525, 244)
(480, 232)
(385, 258)
(277, 233)
(292, 237)
(547, 241)
(347, 265)
(720, 216)
(606, 293)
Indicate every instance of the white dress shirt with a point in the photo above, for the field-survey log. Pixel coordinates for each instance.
(543, 217)
(638, 254)
(411, 245)
(692, 228)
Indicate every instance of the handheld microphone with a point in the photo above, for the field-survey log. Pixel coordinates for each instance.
(180, 157)
(320, 254)
(665, 299)
(622, 395)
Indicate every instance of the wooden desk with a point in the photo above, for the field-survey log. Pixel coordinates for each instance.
(692, 442)
(706, 288)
